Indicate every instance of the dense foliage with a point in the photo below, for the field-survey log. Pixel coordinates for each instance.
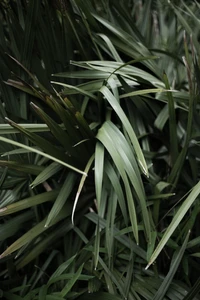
(99, 132)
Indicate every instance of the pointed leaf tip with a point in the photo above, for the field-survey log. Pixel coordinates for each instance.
(34, 105)
(147, 266)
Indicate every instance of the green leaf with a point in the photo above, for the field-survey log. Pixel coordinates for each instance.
(34, 232)
(11, 296)
(28, 202)
(10, 227)
(116, 106)
(100, 296)
(79, 90)
(98, 171)
(40, 142)
(173, 268)
(32, 149)
(54, 297)
(111, 47)
(172, 122)
(113, 277)
(193, 291)
(142, 92)
(7, 129)
(26, 168)
(42, 293)
(112, 175)
(71, 282)
(183, 209)
(44, 267)
(56, 130)
(81, 184)
(62, 197)
(107, 141)
(124, 240)
(62, 268)
(46, 173)
(43, 244)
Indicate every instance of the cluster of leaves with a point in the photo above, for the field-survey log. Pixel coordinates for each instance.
(99, 150)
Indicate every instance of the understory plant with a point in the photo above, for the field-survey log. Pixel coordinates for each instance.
(99, 133)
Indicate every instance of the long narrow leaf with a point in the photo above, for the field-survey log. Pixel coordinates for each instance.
(116, 106)
(62, 198)
(175, 222)
(31, 149)
(168, 279)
